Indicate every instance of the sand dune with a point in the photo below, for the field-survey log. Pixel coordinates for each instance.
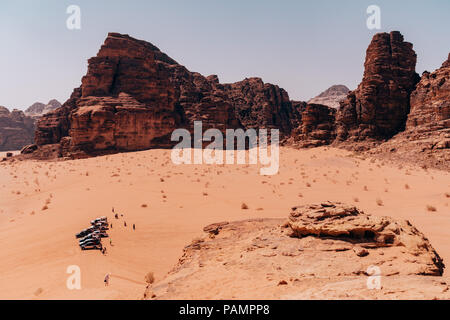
(43, 205)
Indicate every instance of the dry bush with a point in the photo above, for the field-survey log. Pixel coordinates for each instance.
(431, 208)
(355, 199)
(244, 206)
(379, 202)
(144, 205)
(406, 186)
(149, 278)
(38, 291)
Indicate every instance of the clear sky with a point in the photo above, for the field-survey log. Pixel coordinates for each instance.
(303, 46)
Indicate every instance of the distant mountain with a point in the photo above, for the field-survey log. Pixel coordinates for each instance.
(16, 129)
(331, 96)
(38, 109)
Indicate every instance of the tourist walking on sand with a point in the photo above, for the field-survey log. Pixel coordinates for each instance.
(106, 280)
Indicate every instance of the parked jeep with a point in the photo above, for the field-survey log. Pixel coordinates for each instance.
(91, 247)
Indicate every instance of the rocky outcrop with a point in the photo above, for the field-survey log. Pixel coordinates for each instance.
(323, 251)
(332, 96)
(16, 129)
(378, 108)
(337, 220)
(317, 127)
(262, 105)
(430, 101)
(426, 140)
(134, 96)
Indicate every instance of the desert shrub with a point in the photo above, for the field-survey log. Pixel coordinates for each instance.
(149, 278)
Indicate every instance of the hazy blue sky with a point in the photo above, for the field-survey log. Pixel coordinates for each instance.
(303, 46)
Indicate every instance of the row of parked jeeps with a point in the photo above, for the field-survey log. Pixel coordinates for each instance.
(90, 238)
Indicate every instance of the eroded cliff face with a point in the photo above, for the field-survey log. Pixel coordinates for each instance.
(316, 128)
(426, 140)
(378, 108)
(125, 101)
(16, 129)
(430, 102)
(133, 96)
(262, 105)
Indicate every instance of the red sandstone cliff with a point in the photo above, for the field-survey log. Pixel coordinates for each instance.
(133, 96)
(378, 108)
(16, 129)
(426, 140)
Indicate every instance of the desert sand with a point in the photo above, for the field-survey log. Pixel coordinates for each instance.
(43, 204)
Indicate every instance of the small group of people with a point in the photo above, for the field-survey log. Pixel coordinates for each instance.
(116, 215)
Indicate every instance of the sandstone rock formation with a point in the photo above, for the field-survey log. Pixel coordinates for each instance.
(317, 127)
(332, 96)
(16, 129)
(336, 220)
(324, 251)
(134, 96)
(426, 140)
(262, 105)
(430, 101)
(378, 108)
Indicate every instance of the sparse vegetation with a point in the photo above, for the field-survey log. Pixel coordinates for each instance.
(244, 206)
(431, 208)
(149, 278)
(379, 202)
